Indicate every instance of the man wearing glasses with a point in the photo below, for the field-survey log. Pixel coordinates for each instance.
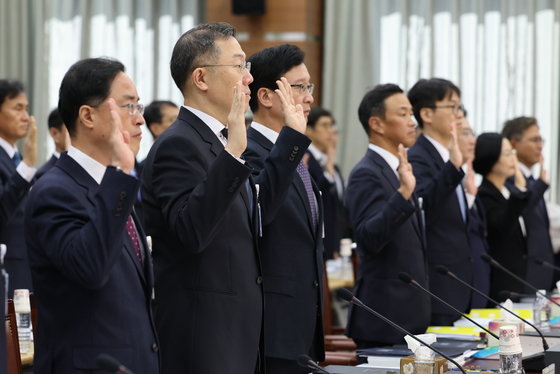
(89, 258)
(291, 243)
(436, 160)
(202, 211)
(526, 139)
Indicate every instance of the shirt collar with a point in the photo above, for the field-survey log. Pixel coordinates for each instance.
(321, 157)
(56, 154)
(93, 167)
(389, 158)
(442, 150)
(215, 126)
(9, 148)
(265, 131)
(525, 170)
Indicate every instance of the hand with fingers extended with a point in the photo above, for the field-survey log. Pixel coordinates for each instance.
(470, 180)
(237, 132)
(543, 174)
(30, 145)
(122, 155)
(455, 155)
(406, 176)
(294, 116)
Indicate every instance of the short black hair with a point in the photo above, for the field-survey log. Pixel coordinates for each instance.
(87, 82)
(152, 113)
(373, 103)
(514, 128)
(315, 114)
(55, 120)
(426, 92)
(9, 88)
(193, 46)
(269, 65)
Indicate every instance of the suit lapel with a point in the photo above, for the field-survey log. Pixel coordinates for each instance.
(206, 134)
(432, 151)
(7, 162)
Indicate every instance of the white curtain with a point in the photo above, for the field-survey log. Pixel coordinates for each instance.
(503, 54)
(41, 39)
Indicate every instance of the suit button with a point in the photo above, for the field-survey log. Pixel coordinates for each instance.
(315, 283)
(259, 280)
(296, 148)
(155, 348)
(122, 195)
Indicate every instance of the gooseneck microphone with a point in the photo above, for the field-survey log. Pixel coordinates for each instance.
(110, 364)
(544, 263)
(408, 280)
(348, 296)
(307, 362)
(497, 265)
(444, 271)
(512, 294)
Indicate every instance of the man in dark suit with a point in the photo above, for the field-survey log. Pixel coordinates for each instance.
(387, 223)
(291, 243)
(59, 135)
(201, 210)
(437, 160)
(90, 265)
(16, 177)
(3, 301)
(525, 138)
(321, 161)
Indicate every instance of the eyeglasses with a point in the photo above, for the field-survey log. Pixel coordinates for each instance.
(242, 66)
(134, 108)
(303, 88)
(536, 139)
(467, 133)
(456, 109)
(509, 153)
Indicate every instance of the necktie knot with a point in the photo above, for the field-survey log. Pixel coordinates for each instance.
(225, 132)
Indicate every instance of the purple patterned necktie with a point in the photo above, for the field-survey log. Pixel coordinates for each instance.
(134, 237)
(306, 179)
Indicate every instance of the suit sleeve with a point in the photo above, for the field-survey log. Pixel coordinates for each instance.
(83, 245)
(275, 173)
(193, 193)
(502, 215)
(13, 189)
(434, 190)
(537, 189)
(376, 213)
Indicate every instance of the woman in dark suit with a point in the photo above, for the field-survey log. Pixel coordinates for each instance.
(495, 160)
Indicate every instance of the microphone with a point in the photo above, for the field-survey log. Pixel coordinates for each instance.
(444, 271)
(408, 279)
(497, 265)
(348, 296)
(544, 263)
(306, 362)
(512, 294)
(110, 364)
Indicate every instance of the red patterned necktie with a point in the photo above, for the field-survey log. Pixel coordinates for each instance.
(134, 237)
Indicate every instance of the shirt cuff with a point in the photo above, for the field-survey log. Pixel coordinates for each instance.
(26, 172)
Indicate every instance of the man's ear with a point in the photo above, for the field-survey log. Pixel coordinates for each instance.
(198, 79)
(86, 116)
(375, 125)
(426, 115)
(264, 96)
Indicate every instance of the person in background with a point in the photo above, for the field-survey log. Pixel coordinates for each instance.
(387, 222)
(503, 204)
(527, 141)
(17, 175)
(321, 161)
(60, 137)
(159, 115)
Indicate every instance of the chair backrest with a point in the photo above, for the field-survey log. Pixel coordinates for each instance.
(12, 342)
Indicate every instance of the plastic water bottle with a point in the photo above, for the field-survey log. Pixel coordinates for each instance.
(510, 351)
(346, 270)
(23, 319)
(541, 311)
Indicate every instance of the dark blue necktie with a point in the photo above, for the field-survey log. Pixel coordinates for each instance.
(306, 179)
(16, 158)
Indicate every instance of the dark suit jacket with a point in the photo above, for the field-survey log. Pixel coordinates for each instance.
(505, 238)
(46, 167)
(204, 225)
(93, 296)
(335, 211)
(13, 198)
(390, 237)
(292, 259)
(3, 299)
(539, 244)
(477, 231)
(446, 232)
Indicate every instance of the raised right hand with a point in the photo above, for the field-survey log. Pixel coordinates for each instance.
(237, 132)
(455, 155)
(30, 145)
(406, 176)
(293, 113)
(119, 141)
